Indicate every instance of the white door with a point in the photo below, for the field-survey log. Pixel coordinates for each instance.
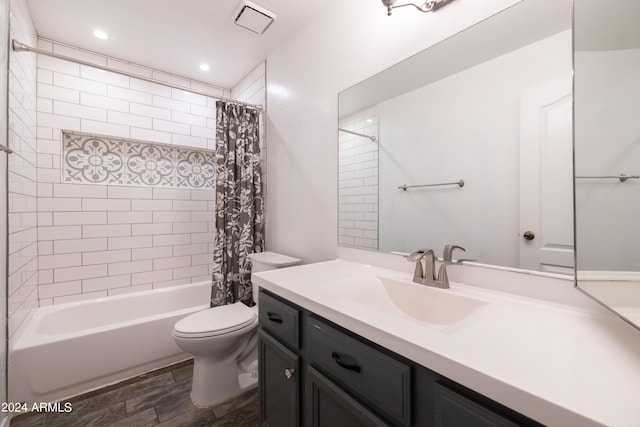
(546, 178)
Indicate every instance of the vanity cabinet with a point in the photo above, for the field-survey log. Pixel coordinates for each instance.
(278, 363)
(282, 407)
(329, 405)
(366, 373)
(314, 373)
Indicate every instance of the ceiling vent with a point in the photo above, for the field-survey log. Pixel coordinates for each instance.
(253, 17)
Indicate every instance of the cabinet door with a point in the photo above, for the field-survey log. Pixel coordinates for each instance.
(279, 384)
(330, 406)
(455, 410)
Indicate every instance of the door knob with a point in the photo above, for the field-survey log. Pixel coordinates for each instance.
(529, 235)
(288, 372)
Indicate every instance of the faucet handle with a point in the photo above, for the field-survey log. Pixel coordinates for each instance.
(443, 278)
(417, 258)
(427, 273)
(447, 254)
(417, 255)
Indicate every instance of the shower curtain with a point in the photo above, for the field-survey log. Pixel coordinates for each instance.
(239, 215)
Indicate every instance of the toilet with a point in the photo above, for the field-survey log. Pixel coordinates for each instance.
(224, 341)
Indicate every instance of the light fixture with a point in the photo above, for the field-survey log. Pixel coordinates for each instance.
(427, 6)
(101, 35)
(204, 67)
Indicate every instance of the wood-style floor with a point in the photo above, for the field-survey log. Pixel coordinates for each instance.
(159, 398)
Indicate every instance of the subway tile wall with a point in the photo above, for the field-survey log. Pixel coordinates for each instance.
(97, 240)
(101, 240)
(81, 98)
(252, 89)
(358, 181)
(22, 206)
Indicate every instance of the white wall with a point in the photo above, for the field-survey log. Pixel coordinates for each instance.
(345, 43)
(23, 248)
(607, 139)
(465, 126)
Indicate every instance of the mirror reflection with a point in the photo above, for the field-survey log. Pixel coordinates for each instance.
(469, 143)
(607, 145)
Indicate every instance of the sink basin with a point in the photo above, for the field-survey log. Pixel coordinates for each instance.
(420, 302)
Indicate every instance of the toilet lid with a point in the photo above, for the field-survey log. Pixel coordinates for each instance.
(215, 321)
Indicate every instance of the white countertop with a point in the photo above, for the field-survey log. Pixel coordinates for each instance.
(561, 365)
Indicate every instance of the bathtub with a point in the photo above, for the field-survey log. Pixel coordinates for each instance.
(72, 348)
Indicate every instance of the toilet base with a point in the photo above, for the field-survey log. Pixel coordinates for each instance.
(249, 378)
(214, 383)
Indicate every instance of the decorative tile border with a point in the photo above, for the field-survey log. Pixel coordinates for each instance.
(96, 159)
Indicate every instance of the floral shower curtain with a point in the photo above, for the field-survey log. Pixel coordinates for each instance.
(239, 207)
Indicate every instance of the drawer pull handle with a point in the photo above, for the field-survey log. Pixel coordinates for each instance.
(350, 366)
(274, 317)
(288, 372)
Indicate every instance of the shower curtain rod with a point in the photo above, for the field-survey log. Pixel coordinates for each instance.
(371, 137)
(21, 47)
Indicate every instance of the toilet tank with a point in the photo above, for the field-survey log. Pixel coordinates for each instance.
(265, 261)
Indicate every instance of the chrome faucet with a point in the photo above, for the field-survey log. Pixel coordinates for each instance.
(426, 275)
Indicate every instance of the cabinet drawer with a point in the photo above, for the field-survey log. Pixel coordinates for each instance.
(378, 379)
(280, 319)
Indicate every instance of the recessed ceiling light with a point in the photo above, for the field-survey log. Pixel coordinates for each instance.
(204, 67)
(101, 35)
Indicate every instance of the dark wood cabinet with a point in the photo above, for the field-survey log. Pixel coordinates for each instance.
(279, 363)
(279, 384)
(330, 406)
(456, 410)
(380, 380)
(314, 373)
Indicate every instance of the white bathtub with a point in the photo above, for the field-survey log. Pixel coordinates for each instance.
(72, 348)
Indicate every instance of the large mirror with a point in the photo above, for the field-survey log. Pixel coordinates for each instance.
(469, 143)
(607, 145)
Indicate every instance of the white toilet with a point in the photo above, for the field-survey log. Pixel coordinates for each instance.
(224, 342)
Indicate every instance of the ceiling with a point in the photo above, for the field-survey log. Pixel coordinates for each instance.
(171, 35)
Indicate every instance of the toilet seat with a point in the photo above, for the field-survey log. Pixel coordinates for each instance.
(215, 321)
